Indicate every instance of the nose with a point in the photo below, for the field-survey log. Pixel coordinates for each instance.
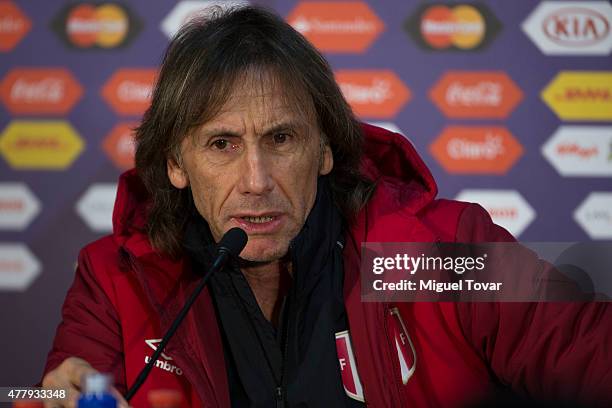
(255, 177)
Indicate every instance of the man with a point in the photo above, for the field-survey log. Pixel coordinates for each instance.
(248, 128)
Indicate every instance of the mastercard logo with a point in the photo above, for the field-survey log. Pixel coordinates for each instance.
(456, 26)
(103, 25)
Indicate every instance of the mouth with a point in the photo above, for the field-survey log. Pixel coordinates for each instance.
(258, 220)
(259, 223)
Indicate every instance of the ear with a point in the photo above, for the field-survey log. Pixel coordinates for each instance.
(177, 175)
(327, 161)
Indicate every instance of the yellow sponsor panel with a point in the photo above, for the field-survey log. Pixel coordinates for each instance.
(40, 145)
(580, 95)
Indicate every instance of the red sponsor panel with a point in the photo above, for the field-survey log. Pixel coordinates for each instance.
(14, 25)
(120, 145)
(36, 91)
(129, 90)
(373, 93)
(476, 94)
(474, 149)
(337, 26)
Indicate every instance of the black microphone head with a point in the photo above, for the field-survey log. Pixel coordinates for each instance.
(233, 241)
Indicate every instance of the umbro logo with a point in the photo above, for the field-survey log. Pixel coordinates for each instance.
(164, 365)
(153, 344)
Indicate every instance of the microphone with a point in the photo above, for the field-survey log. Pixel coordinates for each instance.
(231, 244)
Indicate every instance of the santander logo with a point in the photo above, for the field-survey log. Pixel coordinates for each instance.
(575, 26)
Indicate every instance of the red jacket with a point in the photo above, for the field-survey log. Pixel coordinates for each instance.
(125, 295)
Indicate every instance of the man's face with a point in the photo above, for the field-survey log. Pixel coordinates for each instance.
(255, 166)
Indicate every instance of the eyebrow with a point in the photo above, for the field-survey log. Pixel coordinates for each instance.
(279, 127)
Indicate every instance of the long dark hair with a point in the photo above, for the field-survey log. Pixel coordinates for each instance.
(199, 71)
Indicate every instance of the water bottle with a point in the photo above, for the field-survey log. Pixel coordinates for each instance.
(96, 392)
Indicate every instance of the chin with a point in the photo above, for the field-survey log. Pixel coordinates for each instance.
(264, 251)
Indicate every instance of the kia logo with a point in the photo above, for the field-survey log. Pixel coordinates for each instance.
(576, 27)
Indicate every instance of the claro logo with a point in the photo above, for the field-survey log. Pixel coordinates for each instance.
(129, 90)
(571, 28)
(373, 93)
(96, 25)
(40, 91)
(473, 149)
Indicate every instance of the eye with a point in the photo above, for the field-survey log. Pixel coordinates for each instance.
(280, 138)
(220, 144)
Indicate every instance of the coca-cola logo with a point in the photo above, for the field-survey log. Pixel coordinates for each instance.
(40, 90)
(476, 94)
(50, 90)
(485, 93)
(577, 27)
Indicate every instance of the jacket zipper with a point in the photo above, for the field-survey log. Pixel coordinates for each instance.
(282, 388)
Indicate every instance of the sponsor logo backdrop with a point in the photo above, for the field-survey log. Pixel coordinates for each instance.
(508, 102)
